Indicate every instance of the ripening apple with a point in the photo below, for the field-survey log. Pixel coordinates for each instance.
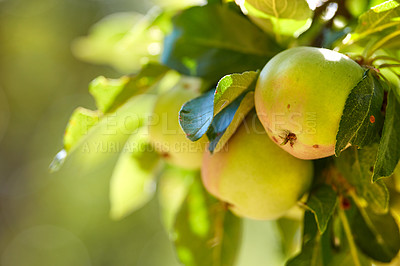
(255, 177)
(300, 97)
(165, 132)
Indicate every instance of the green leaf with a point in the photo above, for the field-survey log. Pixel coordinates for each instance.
(133, 183)
(196, 115)
(310, 255)
(330, 248)
(311, 251)
(231, 87)
(281, 17)
(205, 232)
(109, 135)
(389, 146)
(213, 40)
(356, 166)
(233, 100)
(289, 233)
(173, 187)
(112, 93)
(361, 119)
(78, 126)
(220, 112)
(377, 19)
(377, 235)
(226, 122)
(124, 40)
(322, 202)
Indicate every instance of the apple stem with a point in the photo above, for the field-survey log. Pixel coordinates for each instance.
(381, 43)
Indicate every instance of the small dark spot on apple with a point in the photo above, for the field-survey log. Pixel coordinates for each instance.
(186, 86)
(274, 139)
(288, 106)
(165, 155)
(316, 146)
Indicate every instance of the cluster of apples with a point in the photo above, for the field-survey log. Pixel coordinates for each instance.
(266, 166)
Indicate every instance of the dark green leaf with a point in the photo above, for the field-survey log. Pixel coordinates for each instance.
(196, 115)
(376, 235)
(340, 252)
(356, 166)
(213, 40)
(205, 232)
(389, 146)
(222, 121)
(228, 105)
(361, 120)
(322, 202)
(112, 93)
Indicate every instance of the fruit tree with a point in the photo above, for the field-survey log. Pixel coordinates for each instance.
(256, 109)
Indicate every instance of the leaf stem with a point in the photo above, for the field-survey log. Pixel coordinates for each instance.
(219, 232)
(381, 42)
(277, 25)
(388, 65)
(374, 30)
(349, 235)
(384, 57)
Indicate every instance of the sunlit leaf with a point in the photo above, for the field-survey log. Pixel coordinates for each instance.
(111, 93)
(280, 17)
(109, 135)
(377, 19)
(133, 180)
(205, 232)
(124, 40)
(78, 126)
(173, 187)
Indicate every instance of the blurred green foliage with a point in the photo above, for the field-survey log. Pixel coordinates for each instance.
(63, 218)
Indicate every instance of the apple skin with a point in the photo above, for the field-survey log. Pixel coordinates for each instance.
(255, 177)
(302, 91)
(165, 132)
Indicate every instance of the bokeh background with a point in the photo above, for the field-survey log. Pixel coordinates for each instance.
(63, 218)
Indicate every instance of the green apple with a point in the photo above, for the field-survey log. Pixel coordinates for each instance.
(254, 176)
(165, 132)
(300, 97)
